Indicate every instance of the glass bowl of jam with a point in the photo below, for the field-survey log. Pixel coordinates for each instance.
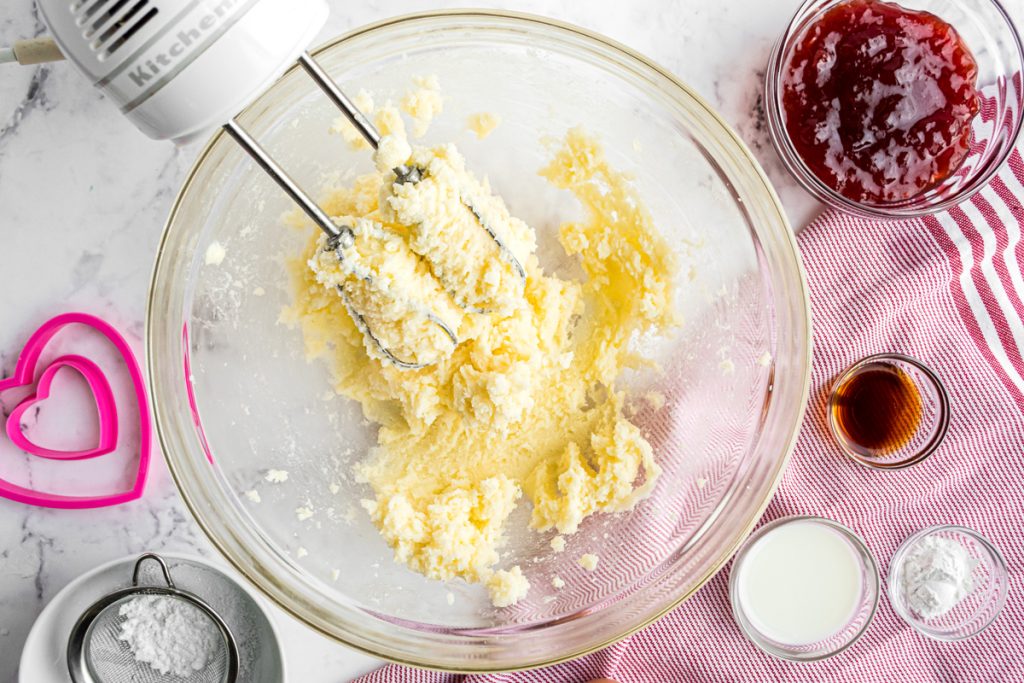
(895, 110)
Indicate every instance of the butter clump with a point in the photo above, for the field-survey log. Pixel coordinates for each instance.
(423, 104)
(507, 587)
(483, 124)
(525, 406)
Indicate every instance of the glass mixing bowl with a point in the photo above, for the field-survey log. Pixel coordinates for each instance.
(234, 396)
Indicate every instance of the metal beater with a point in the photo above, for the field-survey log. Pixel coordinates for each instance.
(339, 237)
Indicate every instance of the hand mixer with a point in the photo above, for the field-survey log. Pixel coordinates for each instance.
(176, 68)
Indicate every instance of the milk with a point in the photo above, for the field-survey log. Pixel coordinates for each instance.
(800, 582)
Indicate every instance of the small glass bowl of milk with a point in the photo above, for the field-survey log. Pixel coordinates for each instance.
(804, 588)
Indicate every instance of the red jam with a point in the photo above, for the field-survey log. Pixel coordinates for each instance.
(879, 100)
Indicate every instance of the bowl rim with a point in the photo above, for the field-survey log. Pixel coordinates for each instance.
(810, 182)
(787, 242)
(896, 568)
(850, 535)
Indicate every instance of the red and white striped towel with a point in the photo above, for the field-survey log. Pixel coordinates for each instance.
(948, 289)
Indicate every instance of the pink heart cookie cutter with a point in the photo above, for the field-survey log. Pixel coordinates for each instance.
(24, 375)
(102, 396)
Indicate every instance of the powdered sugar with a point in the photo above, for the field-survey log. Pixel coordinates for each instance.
(168, 634)
(936, 576)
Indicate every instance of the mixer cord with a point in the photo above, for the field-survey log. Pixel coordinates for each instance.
(31, 51)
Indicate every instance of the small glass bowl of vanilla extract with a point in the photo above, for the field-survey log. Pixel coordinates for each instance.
(888, 411)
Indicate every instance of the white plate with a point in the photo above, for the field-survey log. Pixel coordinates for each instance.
(44, 658)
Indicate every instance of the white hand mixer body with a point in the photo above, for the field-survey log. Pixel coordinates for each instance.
(177, 68)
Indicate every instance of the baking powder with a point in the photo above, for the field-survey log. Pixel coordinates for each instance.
(936, 576)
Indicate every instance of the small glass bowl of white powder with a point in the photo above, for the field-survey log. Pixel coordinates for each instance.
(948, 582)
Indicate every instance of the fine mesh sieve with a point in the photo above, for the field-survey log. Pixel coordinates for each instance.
(99, 653)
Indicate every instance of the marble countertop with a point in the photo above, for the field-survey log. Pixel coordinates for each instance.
(84, 198)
